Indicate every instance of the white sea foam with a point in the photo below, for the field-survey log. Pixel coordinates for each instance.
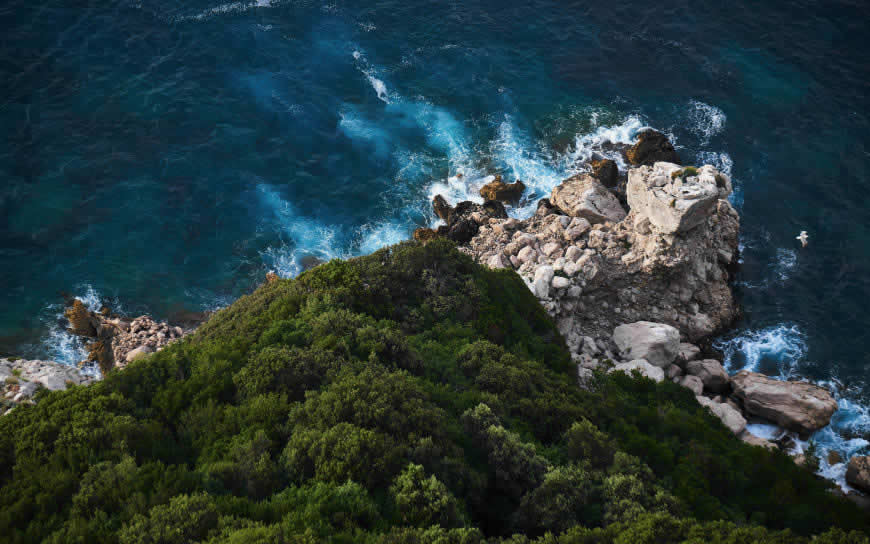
(372, 237)
(222, 9)
(302, 237)
(723, 162)
(587, 145)
(379, 88)
(850, 423)
(785, 347)
(706, 120)
(59, 344)
(370, 72)
(521, 159)
(778, 348)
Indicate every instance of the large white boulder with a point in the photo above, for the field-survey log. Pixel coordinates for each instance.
(797, 406)
(655, 342)
(729, 416)
(543, 279)
(672, 200)
(584, 196)
(654, 373)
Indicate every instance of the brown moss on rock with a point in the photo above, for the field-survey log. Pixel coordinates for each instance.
(605, 171)
(100, 352)
(501, 191)
(425, 235)
(651, 147)
(80, 319)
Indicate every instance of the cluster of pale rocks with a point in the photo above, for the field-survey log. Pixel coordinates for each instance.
(595, 266)
(21, 379)
(112, 342)
(636, 288)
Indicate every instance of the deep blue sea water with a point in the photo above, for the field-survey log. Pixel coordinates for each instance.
(163, 156)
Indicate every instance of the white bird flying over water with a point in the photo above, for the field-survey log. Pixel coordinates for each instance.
(803, 237)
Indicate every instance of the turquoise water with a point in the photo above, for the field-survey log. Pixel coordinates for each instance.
(163, 156)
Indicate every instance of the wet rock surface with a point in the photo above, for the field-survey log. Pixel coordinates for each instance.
(858, 473)
(651, 146)
(797, 406)
(503, 192)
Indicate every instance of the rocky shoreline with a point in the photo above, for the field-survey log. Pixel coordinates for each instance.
(635, 268)
(112, 341)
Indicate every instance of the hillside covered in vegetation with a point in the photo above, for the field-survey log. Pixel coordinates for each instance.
(407, 396)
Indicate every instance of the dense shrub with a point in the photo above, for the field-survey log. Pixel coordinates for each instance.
(407, 396)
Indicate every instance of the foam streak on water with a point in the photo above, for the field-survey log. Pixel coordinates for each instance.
(773, 350)
(706, 120)
(783, 348)
(59, 344)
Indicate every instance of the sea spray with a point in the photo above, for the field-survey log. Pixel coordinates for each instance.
(775, 350)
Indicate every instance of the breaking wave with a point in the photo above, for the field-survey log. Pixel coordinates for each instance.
(779, 349)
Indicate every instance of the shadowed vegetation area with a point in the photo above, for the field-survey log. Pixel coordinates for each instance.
(407, 396)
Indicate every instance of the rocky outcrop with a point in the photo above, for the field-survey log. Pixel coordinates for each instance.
(424, 234)
(797, 406)
(610, 273)
(441, 208)
(645, 369)
(651, 146)
(687, 352)
(711, 373)
(693, 384)
(729, 416)
(673, 200)
(858, 473)
(110, 338)
(21, 379)
(753, 440)
(503, 192)
(464, 220)
(584, 196)
(655, 342)
(605, 171)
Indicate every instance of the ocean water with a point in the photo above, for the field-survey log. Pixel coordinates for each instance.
(163, 156)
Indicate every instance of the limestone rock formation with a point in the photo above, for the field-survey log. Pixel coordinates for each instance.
(619, 272)
(693, 384)
(20, 379)
(729, 416)
(687, 352)
(858, 472)
(655, 342)
(441, 207)
(711, 374)
(654, 373)
(115, 337)
(674, 203)
(584, 196)
(797, 406)
(605, 171)
(501, 191)
(651, 146)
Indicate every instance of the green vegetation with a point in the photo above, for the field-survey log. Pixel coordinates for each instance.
(407, 396)
(685, 172)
